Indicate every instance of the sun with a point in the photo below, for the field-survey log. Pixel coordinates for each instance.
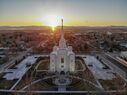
(51, 20)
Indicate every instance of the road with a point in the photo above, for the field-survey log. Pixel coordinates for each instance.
(115, 65)
(42, 43)
(116, 62)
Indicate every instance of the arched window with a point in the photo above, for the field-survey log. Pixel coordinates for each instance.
(62, 60)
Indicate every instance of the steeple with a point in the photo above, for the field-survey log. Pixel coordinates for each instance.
(62, 32)
(62, 42)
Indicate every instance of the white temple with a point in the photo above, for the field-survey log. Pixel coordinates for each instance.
(62, 58)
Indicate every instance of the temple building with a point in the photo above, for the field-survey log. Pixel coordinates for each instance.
(62, 58)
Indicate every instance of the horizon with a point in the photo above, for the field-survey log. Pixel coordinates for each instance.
(64, 26)
(74, 12)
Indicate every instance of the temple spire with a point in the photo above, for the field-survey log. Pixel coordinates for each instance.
(62, 24)
(62, 42)
(62, 32)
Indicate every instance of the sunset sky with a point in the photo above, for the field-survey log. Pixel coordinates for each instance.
(74, 12)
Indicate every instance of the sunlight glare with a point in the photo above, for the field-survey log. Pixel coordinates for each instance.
(52, 20)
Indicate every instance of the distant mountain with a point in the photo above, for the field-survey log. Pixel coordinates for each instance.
(70, 27)
(23, 27)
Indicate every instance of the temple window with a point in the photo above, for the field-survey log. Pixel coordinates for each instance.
(62, 60)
